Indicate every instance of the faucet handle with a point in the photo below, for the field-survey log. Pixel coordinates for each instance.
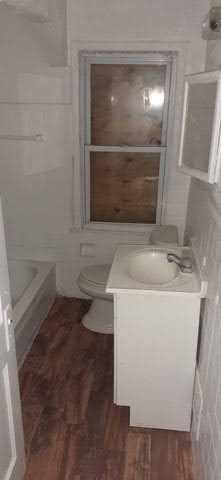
(187, 265)
(186, 261)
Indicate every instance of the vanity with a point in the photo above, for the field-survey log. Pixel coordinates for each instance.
(156, 321)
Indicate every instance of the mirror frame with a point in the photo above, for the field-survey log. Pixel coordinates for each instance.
(212, 174)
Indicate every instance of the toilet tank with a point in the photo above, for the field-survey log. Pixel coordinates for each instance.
(164, 234)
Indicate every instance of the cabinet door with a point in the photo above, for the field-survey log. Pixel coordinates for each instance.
(200, 132)
(156, 356)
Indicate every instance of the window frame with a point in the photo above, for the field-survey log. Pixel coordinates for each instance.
(86, 59)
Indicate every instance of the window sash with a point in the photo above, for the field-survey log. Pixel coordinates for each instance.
(87, 192)
(124, 148)
(86, 60)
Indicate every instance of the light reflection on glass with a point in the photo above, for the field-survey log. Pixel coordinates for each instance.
(113, 100)
(145, 97)
(152, 97)
(156, 96)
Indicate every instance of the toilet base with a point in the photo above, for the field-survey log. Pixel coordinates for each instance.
(100, 317)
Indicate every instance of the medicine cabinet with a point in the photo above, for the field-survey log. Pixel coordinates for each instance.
(200, 145)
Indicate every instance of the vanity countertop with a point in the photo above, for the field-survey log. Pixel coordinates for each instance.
(120, 279)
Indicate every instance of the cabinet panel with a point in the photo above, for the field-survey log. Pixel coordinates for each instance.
(123, 384)
(156, 354)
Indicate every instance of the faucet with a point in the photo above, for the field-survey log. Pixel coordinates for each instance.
(184, 264)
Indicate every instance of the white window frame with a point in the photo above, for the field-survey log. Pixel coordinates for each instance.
(86, 59)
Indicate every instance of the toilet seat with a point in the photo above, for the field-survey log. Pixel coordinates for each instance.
(96, 274)
(93, 280)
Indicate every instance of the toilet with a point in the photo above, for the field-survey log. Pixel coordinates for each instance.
(93, 279)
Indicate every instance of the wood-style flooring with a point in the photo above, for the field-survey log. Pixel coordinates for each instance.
(73, 431)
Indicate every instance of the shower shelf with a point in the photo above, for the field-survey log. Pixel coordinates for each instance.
(39, 137)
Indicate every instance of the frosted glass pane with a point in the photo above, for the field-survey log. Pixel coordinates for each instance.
(127, 104)
(124, 187)
(199, 125)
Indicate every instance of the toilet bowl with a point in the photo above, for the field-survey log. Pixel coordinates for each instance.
(93, 279)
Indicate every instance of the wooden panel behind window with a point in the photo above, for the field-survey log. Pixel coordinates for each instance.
(127, 103)
(124, 187)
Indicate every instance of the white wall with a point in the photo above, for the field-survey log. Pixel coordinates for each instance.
(214, 47)
(39, 208)
(204, 224)
(34, 175)
(93, 24)
(39, 10)
(27, 45)
(140, 20)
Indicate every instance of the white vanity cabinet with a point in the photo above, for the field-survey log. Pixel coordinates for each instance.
(155, 357)
(156, 320)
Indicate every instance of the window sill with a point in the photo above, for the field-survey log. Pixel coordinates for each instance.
(118, 227)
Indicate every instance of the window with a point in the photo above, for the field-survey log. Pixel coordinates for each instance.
(124, 110)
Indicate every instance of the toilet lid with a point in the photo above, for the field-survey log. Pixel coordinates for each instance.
(96, 274)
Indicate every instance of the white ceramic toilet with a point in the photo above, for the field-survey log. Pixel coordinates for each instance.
(93, 279)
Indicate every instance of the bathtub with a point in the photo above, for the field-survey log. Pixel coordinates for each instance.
(33, 290)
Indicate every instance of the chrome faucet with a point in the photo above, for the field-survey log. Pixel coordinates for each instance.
(184, 264)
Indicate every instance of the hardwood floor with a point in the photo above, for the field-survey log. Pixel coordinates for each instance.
(73, 431)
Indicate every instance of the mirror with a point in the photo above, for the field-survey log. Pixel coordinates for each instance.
(200, 133)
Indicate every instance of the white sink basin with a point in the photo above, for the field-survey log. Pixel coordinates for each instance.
(152, 267)
(145, 269)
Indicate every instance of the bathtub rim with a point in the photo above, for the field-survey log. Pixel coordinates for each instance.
(44, 268)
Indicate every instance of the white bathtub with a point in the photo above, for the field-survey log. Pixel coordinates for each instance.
(33, 290)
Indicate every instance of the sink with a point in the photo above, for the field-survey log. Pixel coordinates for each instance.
(145, 268)
(151, 267)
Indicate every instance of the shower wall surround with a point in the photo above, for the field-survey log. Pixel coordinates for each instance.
(34, 175)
